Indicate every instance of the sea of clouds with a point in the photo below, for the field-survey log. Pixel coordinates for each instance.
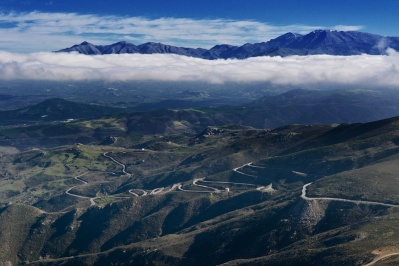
(365, 70)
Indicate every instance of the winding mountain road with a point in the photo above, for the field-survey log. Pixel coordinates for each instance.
(145, 193)
(79, 179)
(194, 191)
(117, 162)
(177, 186)
(380, 258)
(242, 173)
(303, 195)
(91, 199)
(203, 186)
(254, 166)
(268, 188)
(223, 182)
(157, 191)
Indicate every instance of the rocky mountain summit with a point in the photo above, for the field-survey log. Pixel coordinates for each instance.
(330, 42)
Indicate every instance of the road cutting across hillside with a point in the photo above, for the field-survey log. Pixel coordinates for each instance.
(303, 195)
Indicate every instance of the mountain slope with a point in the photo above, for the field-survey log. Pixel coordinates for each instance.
(242, 225)
(317, 42)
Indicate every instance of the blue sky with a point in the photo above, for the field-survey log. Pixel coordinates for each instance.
(31, 29)
(44, 25)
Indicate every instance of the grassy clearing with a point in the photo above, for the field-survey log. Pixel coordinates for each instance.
(10, 189)
(40, 175)
(5, 150)
(104, 123)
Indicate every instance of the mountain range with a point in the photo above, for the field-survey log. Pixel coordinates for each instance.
(54, 117)
(293, 107)
(330, 42)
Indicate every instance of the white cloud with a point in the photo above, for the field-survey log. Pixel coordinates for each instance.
(346, 28)
(38, 31)
(369, 70)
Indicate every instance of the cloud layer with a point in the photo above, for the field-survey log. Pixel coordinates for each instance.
(39, 31)
(362, 70)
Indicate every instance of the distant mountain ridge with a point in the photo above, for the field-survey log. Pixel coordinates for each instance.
(329, 42)
(298, 106)
(56, 109)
